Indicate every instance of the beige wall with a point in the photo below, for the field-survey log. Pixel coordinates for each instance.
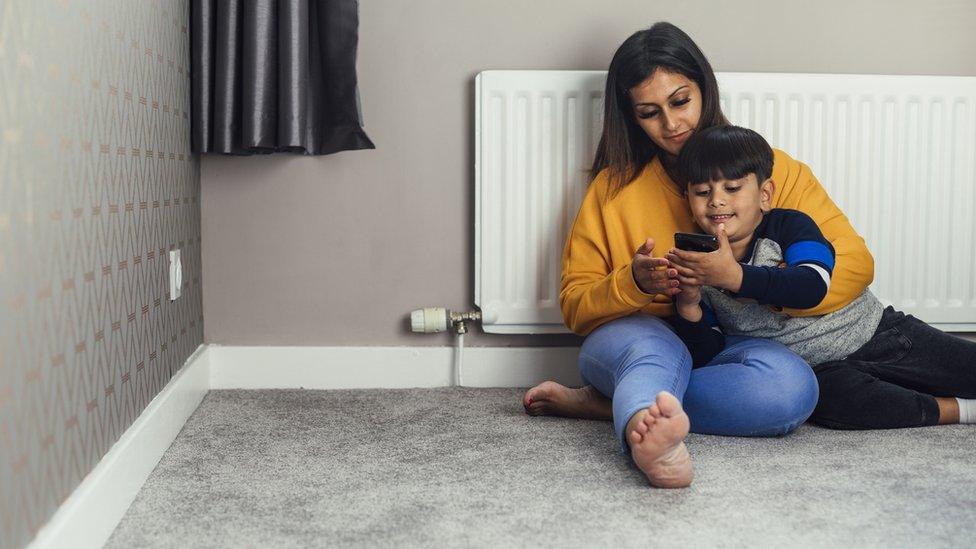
(337, 250)
(97, 183)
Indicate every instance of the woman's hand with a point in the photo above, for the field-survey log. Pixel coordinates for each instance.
(652, 274)
(718, 269)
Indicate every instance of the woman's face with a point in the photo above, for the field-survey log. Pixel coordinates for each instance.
(667, 106)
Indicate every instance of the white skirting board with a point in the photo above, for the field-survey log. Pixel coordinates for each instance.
(90, 514)
(234, 367)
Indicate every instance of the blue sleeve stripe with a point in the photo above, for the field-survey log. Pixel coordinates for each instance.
(809, 251)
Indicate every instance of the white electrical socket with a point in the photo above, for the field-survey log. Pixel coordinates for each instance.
(175, 275)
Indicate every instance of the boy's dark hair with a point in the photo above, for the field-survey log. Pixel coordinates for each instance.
(724, 152)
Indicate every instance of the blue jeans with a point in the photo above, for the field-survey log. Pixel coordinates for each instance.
(754, 387)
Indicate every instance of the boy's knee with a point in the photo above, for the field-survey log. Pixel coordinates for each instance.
(842, 389)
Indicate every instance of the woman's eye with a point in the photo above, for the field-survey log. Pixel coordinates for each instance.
(651, 114)
(680, 102)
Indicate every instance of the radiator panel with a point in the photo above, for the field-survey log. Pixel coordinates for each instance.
(896, 153)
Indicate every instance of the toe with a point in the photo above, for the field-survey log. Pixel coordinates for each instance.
(668, 404)
(648, 419)
(539, 392)
(634, 438)
(654, 410)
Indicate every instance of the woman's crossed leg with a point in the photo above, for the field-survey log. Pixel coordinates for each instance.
(754, 387)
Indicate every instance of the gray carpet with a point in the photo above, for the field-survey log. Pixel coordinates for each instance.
(466, 467)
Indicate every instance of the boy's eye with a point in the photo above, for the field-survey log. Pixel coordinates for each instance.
(702, 192)
(733, 189)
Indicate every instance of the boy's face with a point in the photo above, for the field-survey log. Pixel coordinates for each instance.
(738, 203)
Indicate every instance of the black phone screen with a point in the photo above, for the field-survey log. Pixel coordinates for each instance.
(693, 242)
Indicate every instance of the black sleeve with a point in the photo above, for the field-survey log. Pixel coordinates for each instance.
(795, 287)
(803, 281)
(702, 341)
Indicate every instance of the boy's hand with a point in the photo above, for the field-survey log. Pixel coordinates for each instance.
(718, 269)
(687, 302)
(653, 275)
(690, 293)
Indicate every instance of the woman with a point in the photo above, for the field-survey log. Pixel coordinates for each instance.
(660, 89)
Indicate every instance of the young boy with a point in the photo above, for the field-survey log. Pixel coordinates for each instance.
(877, 368)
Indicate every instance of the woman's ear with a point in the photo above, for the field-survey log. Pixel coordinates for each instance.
(766, 192)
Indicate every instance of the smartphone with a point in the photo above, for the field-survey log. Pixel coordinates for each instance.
(695, 242)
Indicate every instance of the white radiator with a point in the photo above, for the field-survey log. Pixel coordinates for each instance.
(896, 153)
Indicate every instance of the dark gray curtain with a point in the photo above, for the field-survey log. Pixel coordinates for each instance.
(275, 75)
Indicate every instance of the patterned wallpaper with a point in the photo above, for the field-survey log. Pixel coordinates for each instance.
(96, 185)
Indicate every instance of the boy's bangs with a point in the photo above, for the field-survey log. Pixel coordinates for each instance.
(719, 164)
(725, 152)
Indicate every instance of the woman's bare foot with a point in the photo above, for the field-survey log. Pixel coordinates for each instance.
(552, 399)
(656, 437)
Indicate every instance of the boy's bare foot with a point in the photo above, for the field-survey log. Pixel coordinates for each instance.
(552, 399)
(656, 437)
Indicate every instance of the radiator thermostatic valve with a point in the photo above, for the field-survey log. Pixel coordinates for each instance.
(437, 319)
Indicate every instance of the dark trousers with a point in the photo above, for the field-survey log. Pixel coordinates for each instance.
(892, 380)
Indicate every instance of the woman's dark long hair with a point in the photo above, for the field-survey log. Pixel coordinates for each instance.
(624, 147)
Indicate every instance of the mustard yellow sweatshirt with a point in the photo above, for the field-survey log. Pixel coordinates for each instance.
(597, 283)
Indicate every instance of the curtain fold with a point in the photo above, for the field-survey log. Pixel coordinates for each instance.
(275, 76)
